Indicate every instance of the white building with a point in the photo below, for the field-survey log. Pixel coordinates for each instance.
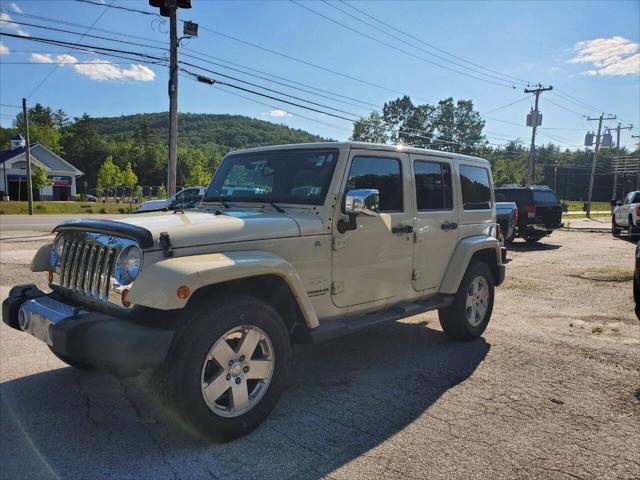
(13, 172)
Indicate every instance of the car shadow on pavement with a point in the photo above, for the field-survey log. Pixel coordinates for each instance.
(532, 247)
(344, 398)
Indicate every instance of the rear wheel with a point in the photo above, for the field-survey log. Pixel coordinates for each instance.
(227, 368)
(469, 314)
(633, 230)
(532, 240)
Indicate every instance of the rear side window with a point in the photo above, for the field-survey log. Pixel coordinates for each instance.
(520, 195)
(544, 197)
(476, 190)
(433, 185)
(382, 174)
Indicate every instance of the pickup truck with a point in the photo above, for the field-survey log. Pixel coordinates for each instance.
(626, 214)
(507, 217)
(539, 210)
(313, 242)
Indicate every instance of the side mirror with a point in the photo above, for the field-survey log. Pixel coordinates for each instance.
(613, 202)
(364, 201)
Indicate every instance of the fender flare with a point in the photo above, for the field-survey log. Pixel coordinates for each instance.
(158, 282)
(461, 257)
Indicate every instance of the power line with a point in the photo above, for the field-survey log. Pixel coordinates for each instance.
(430, 45)
(119, 7)
(389, 45)
(507, 105)
(43, 81)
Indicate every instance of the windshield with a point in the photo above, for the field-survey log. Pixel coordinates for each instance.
(545, 197)
(282, 176)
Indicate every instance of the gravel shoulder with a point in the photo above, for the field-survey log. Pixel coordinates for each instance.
(552, 391)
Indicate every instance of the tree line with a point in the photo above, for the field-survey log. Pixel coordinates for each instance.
(131, 150)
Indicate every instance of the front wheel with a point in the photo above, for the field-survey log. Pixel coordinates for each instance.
(226, 370)
(615, 230)
(469, 314)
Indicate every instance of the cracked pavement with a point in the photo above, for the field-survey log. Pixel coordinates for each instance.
(539, 396)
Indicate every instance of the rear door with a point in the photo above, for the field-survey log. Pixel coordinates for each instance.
(436, 219)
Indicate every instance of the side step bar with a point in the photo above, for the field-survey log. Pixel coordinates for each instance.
(337, 328)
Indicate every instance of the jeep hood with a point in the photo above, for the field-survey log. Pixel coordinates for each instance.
(194, 227)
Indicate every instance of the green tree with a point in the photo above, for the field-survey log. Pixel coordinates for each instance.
(198, 175)
(109, 176)
(162, 192)
(39, 178)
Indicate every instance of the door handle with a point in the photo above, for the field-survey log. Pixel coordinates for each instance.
(402, 229)
(449, 226)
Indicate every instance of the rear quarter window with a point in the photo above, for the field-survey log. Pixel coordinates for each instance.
(476, 188)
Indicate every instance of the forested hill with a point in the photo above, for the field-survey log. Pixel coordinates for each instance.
(227, 131)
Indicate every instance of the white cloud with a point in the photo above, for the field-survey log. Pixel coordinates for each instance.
(14, 6)
(278, 113)
(41, 58)
(613, 56)
(7, 22)
(4, 50)
(98, 69)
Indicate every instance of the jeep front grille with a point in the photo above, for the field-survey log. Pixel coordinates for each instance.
(86, 267)
(87, 264)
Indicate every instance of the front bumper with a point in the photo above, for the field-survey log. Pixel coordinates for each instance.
(109, 343)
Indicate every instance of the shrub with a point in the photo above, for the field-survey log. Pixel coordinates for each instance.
(102, 210)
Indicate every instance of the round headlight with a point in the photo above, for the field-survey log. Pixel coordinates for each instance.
(128, 265)
(56, 251)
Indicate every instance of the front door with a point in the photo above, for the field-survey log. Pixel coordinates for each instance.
(436, 224)
(373, 262)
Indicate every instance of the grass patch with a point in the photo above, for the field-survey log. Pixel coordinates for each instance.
(606, 274)
(17, 208)
(597, 329)
(582, 215)
(520, 283)
(576, 205)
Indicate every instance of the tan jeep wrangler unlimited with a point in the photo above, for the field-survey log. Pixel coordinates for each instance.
(291, 244)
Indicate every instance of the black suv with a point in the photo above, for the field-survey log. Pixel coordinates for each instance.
(539, 208)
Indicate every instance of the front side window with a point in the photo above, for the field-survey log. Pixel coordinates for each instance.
(476, 189)
(433, 185)
(282, 176)
(383, 174)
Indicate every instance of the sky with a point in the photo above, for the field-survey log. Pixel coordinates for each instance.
(483, 51)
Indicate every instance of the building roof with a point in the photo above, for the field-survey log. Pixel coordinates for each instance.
(17, 137)
(42, 154)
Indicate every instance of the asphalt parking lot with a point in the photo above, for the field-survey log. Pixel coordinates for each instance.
(551, 391)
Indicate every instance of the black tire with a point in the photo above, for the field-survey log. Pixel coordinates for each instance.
(179, 380)
(453, 319)
(532, 240)
(633, 230)
(74, 363)
(615, 230)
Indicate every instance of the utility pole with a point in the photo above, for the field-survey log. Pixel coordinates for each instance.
(169, 8)
(173, 102)
(536, 121)
(615, 174)
(638, 181)
(595, 159)
(25, 114)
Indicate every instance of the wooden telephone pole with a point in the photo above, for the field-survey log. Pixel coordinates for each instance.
(615, 174)
(536, 121)
(25, 114)
(595, 159)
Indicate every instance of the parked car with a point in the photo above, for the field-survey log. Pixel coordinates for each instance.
(539, 210)
(185, 198)
(625, 215)
(345, 236)
(507, 218)
(636, 281)
(90, 198)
